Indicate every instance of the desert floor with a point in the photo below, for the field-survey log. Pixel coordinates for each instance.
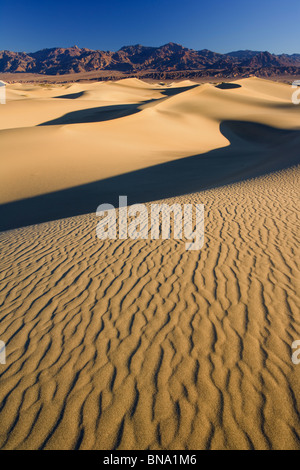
(140, 344)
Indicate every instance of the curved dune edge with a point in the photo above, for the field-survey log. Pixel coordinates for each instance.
(142, 345)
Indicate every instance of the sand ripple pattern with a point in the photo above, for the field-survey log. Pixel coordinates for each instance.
(143, 345)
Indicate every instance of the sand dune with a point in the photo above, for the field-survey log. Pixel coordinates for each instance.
(141, 344)
(182, 124)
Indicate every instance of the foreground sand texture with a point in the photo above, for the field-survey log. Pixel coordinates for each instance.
(140, 344)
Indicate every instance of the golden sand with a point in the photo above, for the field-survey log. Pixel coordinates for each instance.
(124, 344)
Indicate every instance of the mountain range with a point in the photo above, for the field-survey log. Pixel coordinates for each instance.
(136, 59)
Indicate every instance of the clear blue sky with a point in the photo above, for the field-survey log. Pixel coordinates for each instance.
(221, 26)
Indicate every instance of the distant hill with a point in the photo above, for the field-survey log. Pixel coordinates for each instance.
(135, 59)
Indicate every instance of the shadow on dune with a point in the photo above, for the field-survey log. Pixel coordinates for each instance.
(98, 114)
(176, 90)
(254, 150)
(228, 86)
(71, 96)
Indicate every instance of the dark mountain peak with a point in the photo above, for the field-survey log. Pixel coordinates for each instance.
(263, 59)
(266, 54)
(172, 46)
(134, 49)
